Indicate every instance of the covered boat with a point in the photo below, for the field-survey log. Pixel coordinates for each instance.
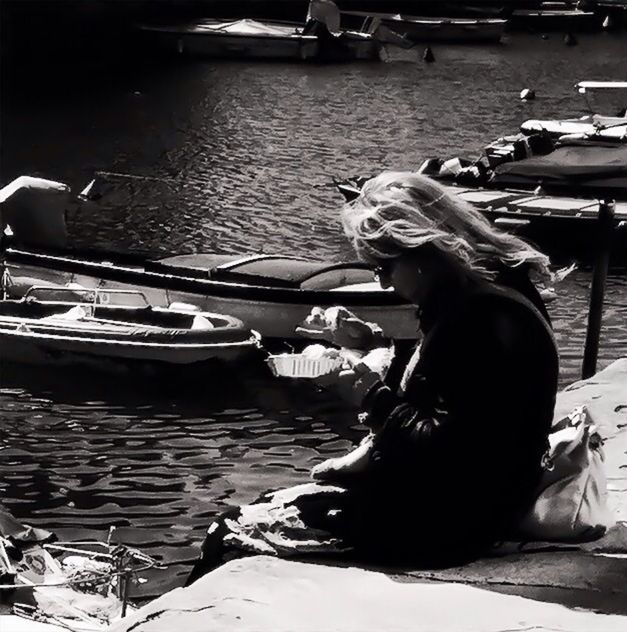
(68, 331)
(319, 39)
(579, 168)
(238, 38)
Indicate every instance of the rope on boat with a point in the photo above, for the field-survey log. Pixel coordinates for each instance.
(93, 576)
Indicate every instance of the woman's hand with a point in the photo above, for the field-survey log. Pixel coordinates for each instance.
(352, 385)
(340, 469)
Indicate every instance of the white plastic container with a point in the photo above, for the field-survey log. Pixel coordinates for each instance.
(298, 365)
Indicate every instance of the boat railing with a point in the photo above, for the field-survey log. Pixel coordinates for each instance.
(93, 296)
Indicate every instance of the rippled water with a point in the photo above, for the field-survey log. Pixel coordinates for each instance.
(244, 155)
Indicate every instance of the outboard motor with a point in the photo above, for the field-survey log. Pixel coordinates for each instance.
(34, 209)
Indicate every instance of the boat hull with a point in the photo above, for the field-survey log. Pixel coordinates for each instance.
(288, 43)
(451, 31)
(565, 20)
(239, 47)
(432, 29)
(21, 347)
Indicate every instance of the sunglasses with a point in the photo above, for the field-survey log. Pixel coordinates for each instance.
(384, 269)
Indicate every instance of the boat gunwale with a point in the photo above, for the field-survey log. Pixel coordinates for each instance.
(194, 285)
(426, 20)
(252, 341)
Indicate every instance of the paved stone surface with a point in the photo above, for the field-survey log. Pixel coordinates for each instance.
(266, 594)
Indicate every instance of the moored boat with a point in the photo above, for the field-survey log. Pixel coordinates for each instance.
(563, 226)
(432, 29)
(556, 16)
(319, 39)
(238, 38)
(271, 294)
(589, 126)
(68, 331)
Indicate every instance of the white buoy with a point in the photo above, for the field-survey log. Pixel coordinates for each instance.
(607, 23)
(527, 94)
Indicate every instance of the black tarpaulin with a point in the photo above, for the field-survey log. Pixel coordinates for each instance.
(593, 168)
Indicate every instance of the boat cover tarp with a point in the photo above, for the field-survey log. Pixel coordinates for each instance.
(269, 270)
(249, 27)
(589, 168)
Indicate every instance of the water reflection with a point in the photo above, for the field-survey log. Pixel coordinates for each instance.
(157, 460)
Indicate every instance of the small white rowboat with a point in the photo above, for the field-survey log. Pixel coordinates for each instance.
(74, 332)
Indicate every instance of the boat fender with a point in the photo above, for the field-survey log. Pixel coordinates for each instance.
(526, 94)
(570, 39)
(201, 323)
(428, 55)
(450, 168)
(183, 307)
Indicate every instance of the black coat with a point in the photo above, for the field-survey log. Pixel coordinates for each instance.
(458, 453)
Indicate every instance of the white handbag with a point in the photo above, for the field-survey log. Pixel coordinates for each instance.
(571, 502)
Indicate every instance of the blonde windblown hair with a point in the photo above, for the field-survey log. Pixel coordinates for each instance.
(397, 211)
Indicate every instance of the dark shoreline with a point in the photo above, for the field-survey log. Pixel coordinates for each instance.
(32, 29)
(37, 32)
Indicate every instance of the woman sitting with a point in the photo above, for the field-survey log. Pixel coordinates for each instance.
(458, 429)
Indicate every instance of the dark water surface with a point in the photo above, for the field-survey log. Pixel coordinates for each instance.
(243, 155)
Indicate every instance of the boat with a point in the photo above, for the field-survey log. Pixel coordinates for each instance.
(57, 326)
(80, 585)
(319, 39)
(578, 157)
(237, 38)
(577, 167)
(271, 294)
(431, 29)
(591, 126)
(554, 16)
